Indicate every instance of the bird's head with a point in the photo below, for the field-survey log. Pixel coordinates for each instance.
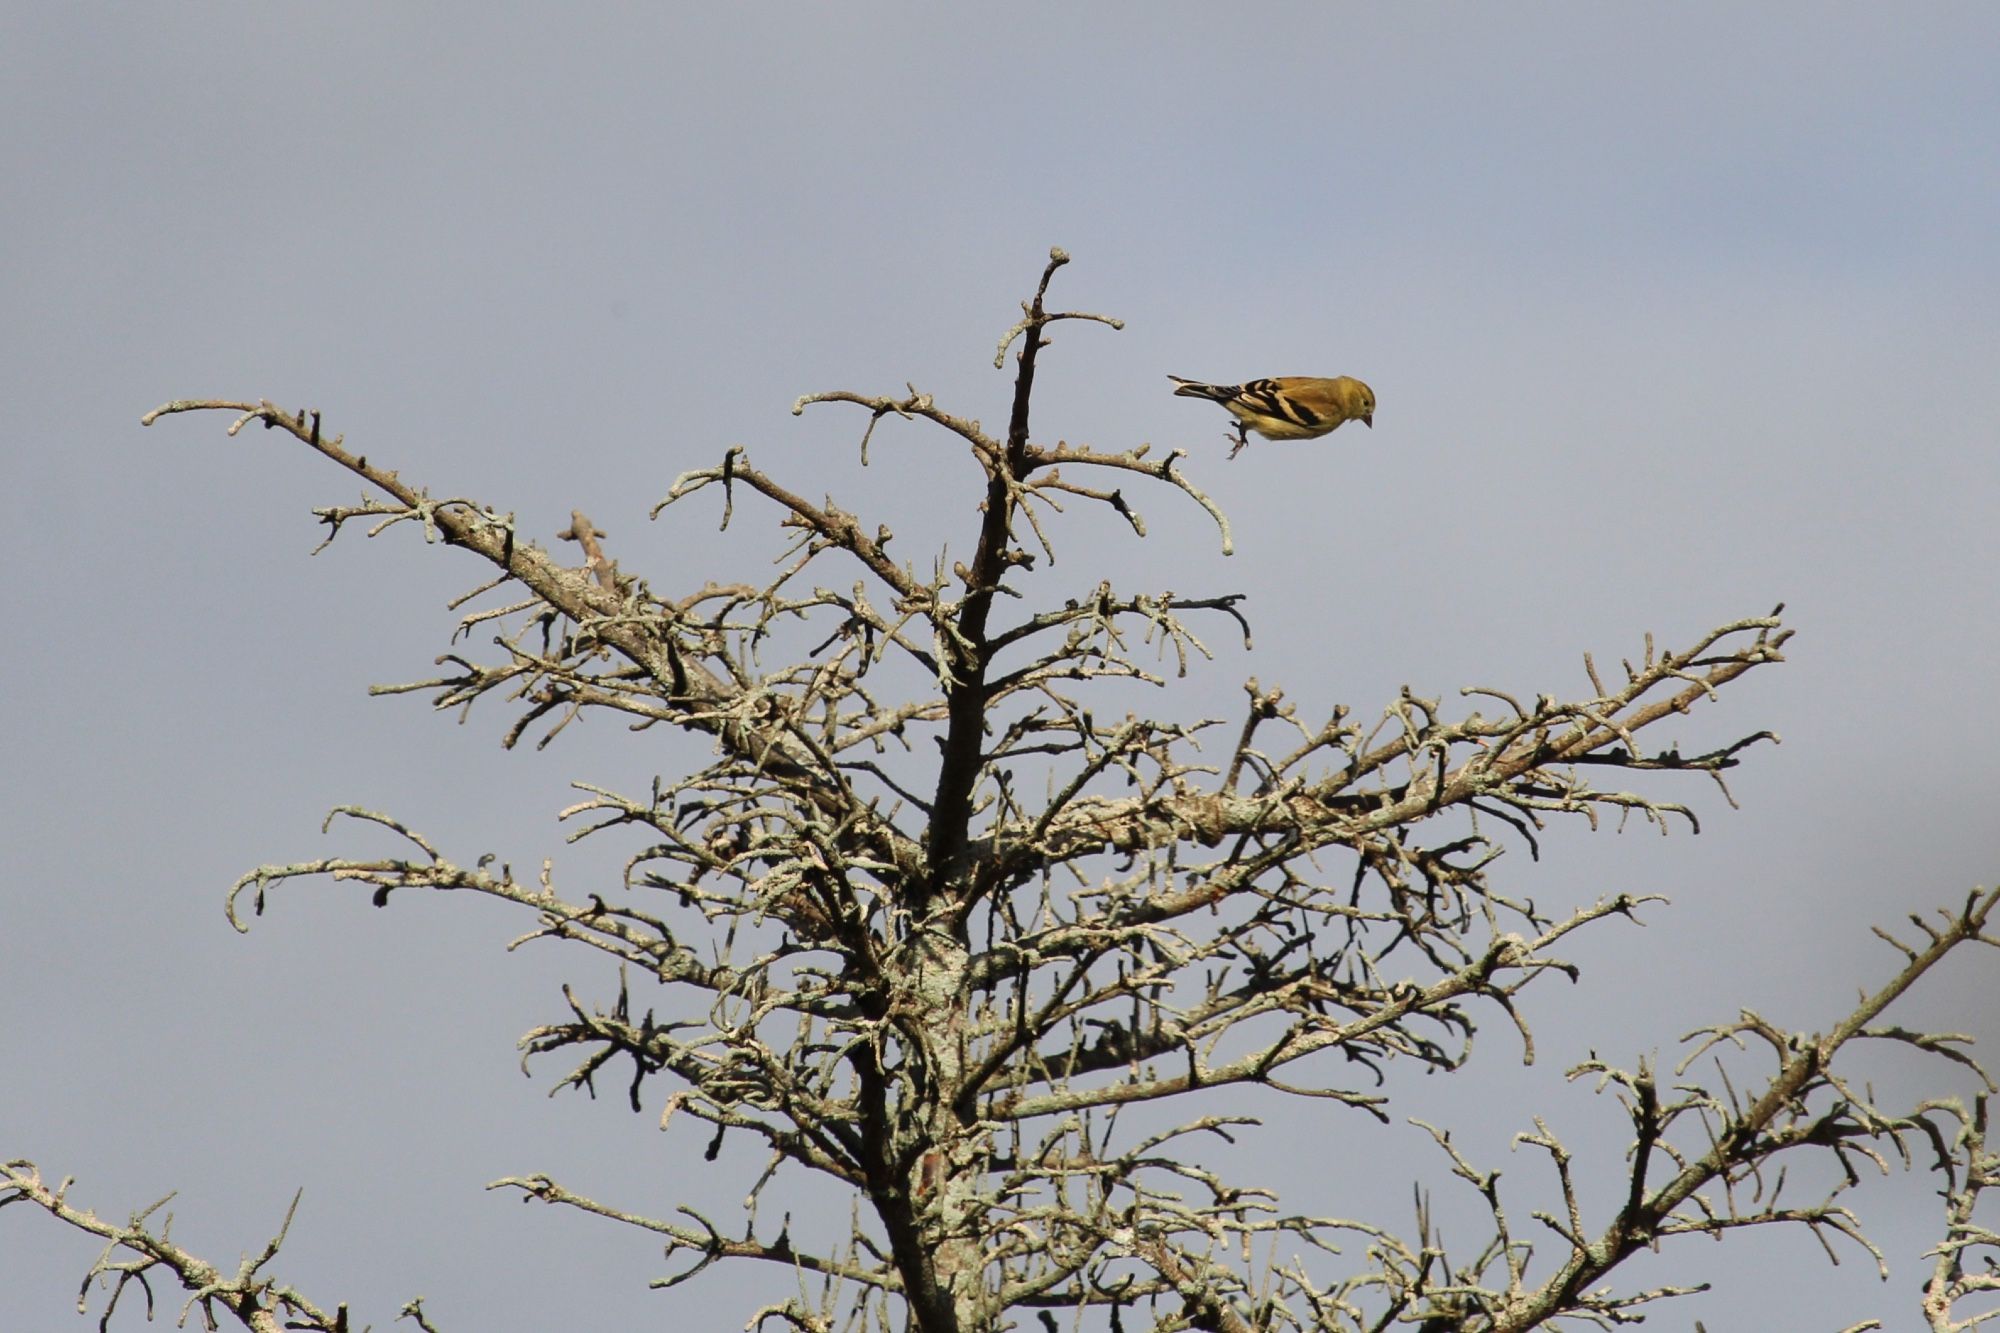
(1364, 404)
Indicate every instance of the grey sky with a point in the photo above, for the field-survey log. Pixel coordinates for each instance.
(1672, 316)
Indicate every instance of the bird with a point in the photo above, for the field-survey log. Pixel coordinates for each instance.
(1287, 407)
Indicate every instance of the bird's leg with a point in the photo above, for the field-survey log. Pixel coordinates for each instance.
(1242, 438)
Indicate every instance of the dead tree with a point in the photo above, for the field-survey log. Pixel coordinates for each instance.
(931, 920)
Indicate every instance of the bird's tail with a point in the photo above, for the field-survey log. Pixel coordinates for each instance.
(1221, 393)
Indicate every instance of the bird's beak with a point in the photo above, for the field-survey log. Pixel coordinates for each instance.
(1369, 421)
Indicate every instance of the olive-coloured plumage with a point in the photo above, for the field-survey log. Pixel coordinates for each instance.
(1287, 407)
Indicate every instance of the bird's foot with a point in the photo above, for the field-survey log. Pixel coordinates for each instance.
(1242, 438)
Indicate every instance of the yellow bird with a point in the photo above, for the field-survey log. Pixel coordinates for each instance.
(1287, 407)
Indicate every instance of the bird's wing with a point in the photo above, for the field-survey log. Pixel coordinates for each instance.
(1299, 399)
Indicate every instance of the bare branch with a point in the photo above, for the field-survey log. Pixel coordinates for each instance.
(133, 1251)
